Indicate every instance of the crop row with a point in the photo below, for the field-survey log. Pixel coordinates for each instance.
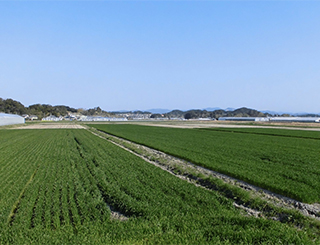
(75, 177)
(293, 133)
(286, 165)
(20, 153)
(63, 192)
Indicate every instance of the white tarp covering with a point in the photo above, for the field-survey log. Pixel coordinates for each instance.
(241, 118)
(100, 119)
(8, 119)
(294, 119)
(273, 119)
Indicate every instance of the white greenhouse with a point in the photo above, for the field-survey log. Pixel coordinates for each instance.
(254, 119)
(8, 119)
(295, 119)
(272, 119)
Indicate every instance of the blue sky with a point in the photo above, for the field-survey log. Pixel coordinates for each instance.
(130, 55)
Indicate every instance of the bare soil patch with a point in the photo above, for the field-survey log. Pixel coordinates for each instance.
(51, 126)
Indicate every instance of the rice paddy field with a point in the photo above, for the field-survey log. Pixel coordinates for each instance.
(68, 186)
(283, 161)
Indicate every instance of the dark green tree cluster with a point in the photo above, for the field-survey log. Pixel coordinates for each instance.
(11, 106)
(40, 110)
(156, 115)
(96, 111)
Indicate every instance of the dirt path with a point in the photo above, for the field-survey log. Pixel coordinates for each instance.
(51, 126)
(197, 175)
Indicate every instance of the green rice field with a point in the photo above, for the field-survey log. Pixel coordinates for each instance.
(68, 186)
(283, 161)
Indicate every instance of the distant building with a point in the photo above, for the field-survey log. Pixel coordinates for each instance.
(52, 118)
(33, 117)
(70, 118)
(9, 119)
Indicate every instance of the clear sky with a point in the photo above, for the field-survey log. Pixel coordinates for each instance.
(129, 55)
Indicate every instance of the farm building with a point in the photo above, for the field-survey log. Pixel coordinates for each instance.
(8, 119)
(33, 117)
(52, 118)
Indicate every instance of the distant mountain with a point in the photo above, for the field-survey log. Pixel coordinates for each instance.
(272, 112)
(230, 109)
(158, 111)
(212, 108)
(306, 114)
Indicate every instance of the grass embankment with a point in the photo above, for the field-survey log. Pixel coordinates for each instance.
(283, 161)
(70, 178)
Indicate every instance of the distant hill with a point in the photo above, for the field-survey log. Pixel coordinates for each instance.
(230, 112)
(193, 114)
(241, 112)
(42, 110)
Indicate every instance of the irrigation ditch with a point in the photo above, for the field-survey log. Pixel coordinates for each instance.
(252, 200)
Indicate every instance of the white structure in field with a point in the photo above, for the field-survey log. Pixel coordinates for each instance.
(8, 119)
(252, 119)
(295, 119)
(52, 118)
(272, 119)
(101, 119)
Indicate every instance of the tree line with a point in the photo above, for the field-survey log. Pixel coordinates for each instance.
(11, 106)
